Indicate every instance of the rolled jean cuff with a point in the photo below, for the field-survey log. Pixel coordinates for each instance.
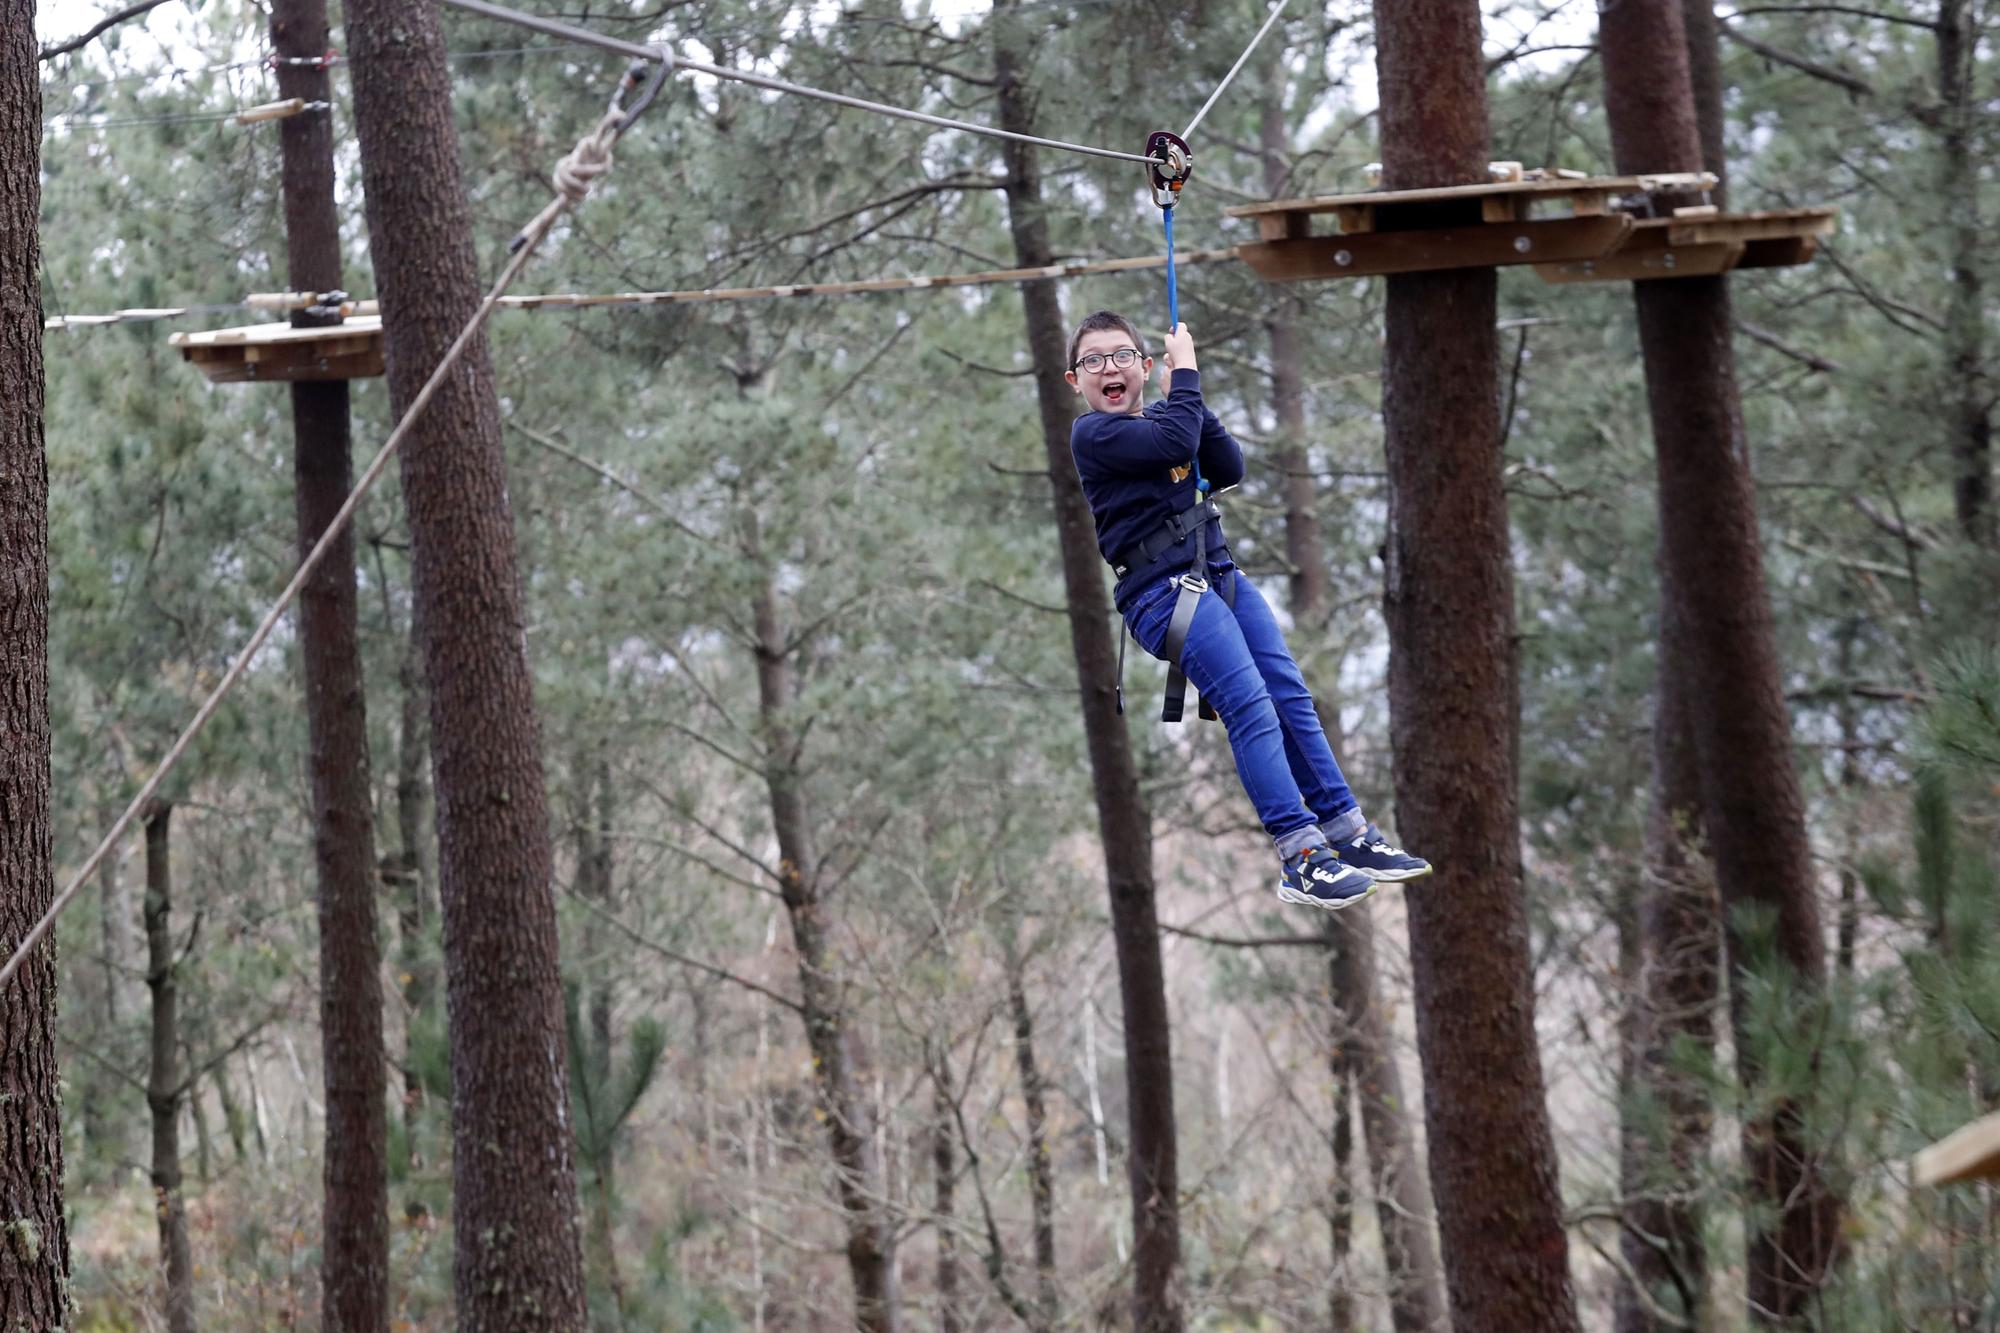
(1345, 826)
(1291, 844)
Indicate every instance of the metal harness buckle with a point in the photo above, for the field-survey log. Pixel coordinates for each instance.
(1191, 582)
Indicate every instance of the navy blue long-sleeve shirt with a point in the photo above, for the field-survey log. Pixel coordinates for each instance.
(1134, 470)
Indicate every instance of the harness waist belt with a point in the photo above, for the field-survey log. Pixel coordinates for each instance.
(1177, 529)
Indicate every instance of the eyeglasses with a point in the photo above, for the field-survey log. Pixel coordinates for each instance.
(1123, 359)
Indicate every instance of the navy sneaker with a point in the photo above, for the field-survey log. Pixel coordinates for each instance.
(1318, 877)
(1374, 856)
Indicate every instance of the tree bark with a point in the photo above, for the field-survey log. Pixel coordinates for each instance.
(519, 1261)
(34, 1237)
(1704, 45)
(163, 1079)
(944, 1178)
(1667, 1118)
(414, 878)
(1041, 1171)
(1363, 1059)
(1969, 391)
(1455, 714)
(871, 1244)
(354, 1259)
(1712, 568)
(1124, 823)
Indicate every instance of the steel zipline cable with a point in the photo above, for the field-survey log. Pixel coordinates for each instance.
(569, 32)
(1270, 21)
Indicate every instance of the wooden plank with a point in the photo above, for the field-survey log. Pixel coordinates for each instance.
(1284, 226)
(1971, 1153)
(1354, 218)
(278, 352)
(1784, 252)
(1742, 227)
(1636, 263)
(1530, 189)
(359, 367)
(1552, 241)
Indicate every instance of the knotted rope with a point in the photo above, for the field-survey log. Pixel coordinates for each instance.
(575, 174)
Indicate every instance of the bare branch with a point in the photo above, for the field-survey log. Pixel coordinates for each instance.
(1854, 10)
(674, 955)
(1839, 78)
(1777, 344)
(103, 25)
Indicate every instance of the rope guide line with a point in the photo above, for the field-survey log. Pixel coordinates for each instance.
(337, 302)
(590, 159)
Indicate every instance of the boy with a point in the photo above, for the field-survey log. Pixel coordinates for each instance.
(1134, 462)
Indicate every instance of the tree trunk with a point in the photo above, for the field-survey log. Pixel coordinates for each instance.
(1969, 392)
(354, 1259)
(34, 1237)
(114, 925)
(1124, 824)
(944, 1177)
(163, 1080)
(1340, 1194)
(415, 879)
(1041, 1171)
(519, 1260)
(1712, 568)
(1455, 715)
(1704, 44)
(871, 1244)
(233, 1118)
(593, 883)
(1363, 1058)
(1847, 926)
(1667, 1117)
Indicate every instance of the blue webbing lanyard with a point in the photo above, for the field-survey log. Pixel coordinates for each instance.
(1173, 322)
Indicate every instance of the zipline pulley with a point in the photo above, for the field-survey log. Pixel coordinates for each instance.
(1169, 162)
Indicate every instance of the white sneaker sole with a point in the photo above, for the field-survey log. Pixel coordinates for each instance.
(1394, 876)
(1288, 894)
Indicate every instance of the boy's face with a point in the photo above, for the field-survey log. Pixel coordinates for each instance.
(1110, 389)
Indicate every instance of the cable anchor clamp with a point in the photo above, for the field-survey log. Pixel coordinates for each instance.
(1170, 164)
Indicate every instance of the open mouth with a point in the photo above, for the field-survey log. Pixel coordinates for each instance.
(1114, 393)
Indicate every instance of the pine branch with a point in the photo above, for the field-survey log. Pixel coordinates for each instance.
(1839, 78)
(104, 25)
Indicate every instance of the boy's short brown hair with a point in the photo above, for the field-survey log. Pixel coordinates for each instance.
(1100, 322)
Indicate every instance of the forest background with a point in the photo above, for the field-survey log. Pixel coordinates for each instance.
(870, 472)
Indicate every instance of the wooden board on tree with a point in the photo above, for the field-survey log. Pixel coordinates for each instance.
(1699, 245)
(1552, 241)
(1971, 1153)
(279, 352)
(1499, 201)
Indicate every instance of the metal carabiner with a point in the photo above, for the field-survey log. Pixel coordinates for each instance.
(1170, 164)
(647, 76)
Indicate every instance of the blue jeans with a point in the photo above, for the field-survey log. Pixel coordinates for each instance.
(1239, 662)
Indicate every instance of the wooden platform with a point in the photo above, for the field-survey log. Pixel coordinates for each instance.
(1594, 240)
(1972, 1153)
(1678, 247)
(347, 351)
